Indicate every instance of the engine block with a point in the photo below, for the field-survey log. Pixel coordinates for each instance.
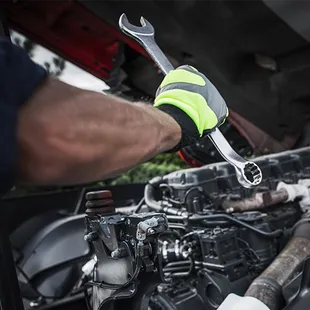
(211, 251)
(196, 238)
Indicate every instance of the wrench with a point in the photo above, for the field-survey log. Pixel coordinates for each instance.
(248, 173)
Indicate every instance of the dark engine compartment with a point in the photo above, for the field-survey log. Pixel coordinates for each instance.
(216, 253)
(207, 252)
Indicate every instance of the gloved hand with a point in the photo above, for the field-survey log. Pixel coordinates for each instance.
(193, 101)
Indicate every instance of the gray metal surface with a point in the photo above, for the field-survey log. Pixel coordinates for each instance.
(248, 173)
(294, 13)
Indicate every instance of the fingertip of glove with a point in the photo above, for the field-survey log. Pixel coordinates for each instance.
(188, 67)
(194, 68)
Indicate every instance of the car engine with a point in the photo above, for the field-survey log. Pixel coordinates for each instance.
(197, 238)
(215, 237)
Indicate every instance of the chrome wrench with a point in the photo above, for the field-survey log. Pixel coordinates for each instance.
(248, 173)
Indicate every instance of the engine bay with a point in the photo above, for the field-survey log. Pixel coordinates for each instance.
(195, 238)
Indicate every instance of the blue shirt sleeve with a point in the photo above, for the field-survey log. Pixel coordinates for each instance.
(19, 77)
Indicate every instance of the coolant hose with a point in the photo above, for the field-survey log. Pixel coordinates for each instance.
(268, 286)
(149, 194)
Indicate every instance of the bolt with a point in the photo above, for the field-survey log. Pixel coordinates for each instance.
(119, 253)
(151, 231)
(37, 303)
(90, 237)
(115, 254)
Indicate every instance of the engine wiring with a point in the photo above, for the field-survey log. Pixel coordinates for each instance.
(118, 286)
(273, 234)
(110, 285)
(250, 254)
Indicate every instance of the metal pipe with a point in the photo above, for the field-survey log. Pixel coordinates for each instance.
(268, 286)
(173, 269)
(177, 226)
(149, 194)
(257, 202)
(149, 198)
(175, 217)
(179, 263)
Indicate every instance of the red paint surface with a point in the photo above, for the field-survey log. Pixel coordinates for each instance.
(68, 29)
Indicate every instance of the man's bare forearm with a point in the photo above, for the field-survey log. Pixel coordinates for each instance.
(69, 136)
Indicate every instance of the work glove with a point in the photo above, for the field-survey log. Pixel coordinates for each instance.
(193, 101)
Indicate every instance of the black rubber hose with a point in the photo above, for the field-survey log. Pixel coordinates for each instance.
(174, 269)
(273, 234)
(149, 193)
(154, 205)
(177, 226)
(113, 286)
(139, 205)
(175, 217)
(178, 263)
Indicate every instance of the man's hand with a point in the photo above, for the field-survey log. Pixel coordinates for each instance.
(67, 135)
(193, 101)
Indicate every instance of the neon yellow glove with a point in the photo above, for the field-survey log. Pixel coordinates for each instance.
(193, 101)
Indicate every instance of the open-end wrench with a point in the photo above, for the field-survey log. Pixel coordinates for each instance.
(248, 173)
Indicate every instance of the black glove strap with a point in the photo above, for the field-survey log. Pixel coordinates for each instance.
(190, 134)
